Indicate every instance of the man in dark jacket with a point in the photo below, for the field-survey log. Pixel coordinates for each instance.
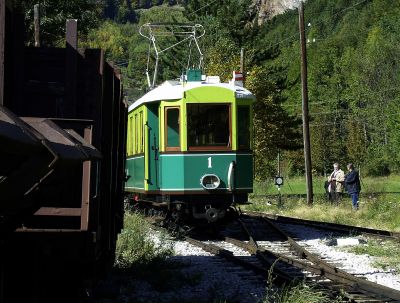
(352, 184)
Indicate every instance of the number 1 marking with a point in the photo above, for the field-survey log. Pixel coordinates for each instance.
(209, 162)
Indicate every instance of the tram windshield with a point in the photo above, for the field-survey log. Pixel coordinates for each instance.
(209, 126)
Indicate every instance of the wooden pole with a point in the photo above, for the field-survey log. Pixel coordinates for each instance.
(72, 33)
(36, 17)
(279, 162)
(71, 69)
(304, 97)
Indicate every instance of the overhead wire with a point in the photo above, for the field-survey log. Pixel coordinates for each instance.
(339, 111)
(341, 122)
(204, 6)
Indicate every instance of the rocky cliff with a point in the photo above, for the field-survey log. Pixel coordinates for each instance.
(269, 8)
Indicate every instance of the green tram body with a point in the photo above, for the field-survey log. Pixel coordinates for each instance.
(180, 132)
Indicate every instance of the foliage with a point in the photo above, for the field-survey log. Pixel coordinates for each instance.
(303, 293)
(123, 11)
(234, 17)
(353, 62)
(222, 58)
(53, 15)
(274, 128)
(135, 244)
(228, 27)
(128, 49)
(298, 292)
(110, 37)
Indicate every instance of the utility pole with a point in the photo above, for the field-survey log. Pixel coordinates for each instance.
(36, 18)
(71, 69)
(279, 162)
(304, 98)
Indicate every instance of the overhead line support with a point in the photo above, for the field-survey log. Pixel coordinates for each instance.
(304, 97)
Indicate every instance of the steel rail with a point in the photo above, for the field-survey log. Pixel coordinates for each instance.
(385, 234)
(270, 271)
(261, 254)
(356, 289)
(272, 258)
(336, 274)
(279, 278)
(264, 254)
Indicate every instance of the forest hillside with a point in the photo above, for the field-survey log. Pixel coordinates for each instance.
(353, 68)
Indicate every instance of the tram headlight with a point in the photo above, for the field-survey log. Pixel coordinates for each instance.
(210, 181)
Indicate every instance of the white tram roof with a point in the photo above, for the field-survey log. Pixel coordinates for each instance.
(174, 90)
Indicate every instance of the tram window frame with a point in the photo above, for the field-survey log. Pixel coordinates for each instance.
(206, 146)
(172, 148)
(141, 136)
(136, 135)
(240, 122)
(131, 142)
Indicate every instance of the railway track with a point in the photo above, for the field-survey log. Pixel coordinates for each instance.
(342, 228)
(270, 249)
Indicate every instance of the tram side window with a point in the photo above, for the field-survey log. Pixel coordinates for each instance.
(244, 127)
(172, 128)
(138, 134)
(209, 126)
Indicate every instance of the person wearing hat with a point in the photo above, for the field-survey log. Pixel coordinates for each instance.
(336, 181)
(352, 184)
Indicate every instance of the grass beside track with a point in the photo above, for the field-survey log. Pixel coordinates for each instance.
(376, 211)
(299, 293)
(386, 253)
(382, 212)
(297, 186)
(379, 204)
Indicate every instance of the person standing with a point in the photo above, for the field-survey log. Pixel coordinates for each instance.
(336, 181)
(352, 184)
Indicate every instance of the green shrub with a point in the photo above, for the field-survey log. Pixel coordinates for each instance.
(296, 292)
(137, 244)
(299, 292)
(378, 167)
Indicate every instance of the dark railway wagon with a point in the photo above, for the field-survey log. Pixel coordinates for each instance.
(62, 151)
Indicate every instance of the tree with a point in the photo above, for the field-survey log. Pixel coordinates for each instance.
(53, 15)
(112, 38)
(222, 58)
(274, 128)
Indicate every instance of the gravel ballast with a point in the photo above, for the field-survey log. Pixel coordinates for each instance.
(317, 241)
(203, 277)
